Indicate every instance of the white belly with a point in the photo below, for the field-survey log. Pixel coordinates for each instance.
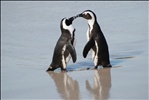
(96, 56)
(63, 57)
(87, 34)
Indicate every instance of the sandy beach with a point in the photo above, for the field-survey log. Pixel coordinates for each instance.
(30, 30)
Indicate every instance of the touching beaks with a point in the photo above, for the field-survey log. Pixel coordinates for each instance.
(79, 15)
(74, 17)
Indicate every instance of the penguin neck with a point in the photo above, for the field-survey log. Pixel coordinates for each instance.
(91, 23)
(70, 28)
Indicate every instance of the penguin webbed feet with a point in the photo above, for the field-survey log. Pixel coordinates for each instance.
(50, 69)
(63, 70)
(107, 66)
(104, 66)
(95, 67)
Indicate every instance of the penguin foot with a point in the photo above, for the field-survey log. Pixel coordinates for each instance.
(50, 69)
(88, 68)
(64, 70)
(107, 66)
(95, 67)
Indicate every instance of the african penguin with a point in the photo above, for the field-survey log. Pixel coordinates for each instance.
(64, 48)
(96, 41)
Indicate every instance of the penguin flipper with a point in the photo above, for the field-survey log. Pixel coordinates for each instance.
(72, 51)
(73, 37)
(88, 46)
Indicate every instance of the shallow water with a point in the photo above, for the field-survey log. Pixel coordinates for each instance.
(30, 30)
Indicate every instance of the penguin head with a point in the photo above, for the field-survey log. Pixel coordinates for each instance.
(88, 15)
(66, 24)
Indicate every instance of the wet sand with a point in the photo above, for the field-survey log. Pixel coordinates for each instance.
(30, 31)
(122, 82)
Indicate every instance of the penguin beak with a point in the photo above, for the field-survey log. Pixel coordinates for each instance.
(79, 15)
(71, 19)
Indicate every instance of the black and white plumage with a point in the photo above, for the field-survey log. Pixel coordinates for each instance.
(64, 48)
(96, 41)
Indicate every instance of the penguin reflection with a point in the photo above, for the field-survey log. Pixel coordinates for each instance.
(102, 84)
(66, 86)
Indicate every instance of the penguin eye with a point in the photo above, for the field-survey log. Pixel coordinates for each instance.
(87, 16)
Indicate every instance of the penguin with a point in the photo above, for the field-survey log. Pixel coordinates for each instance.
(96, 41)
(64, 48)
